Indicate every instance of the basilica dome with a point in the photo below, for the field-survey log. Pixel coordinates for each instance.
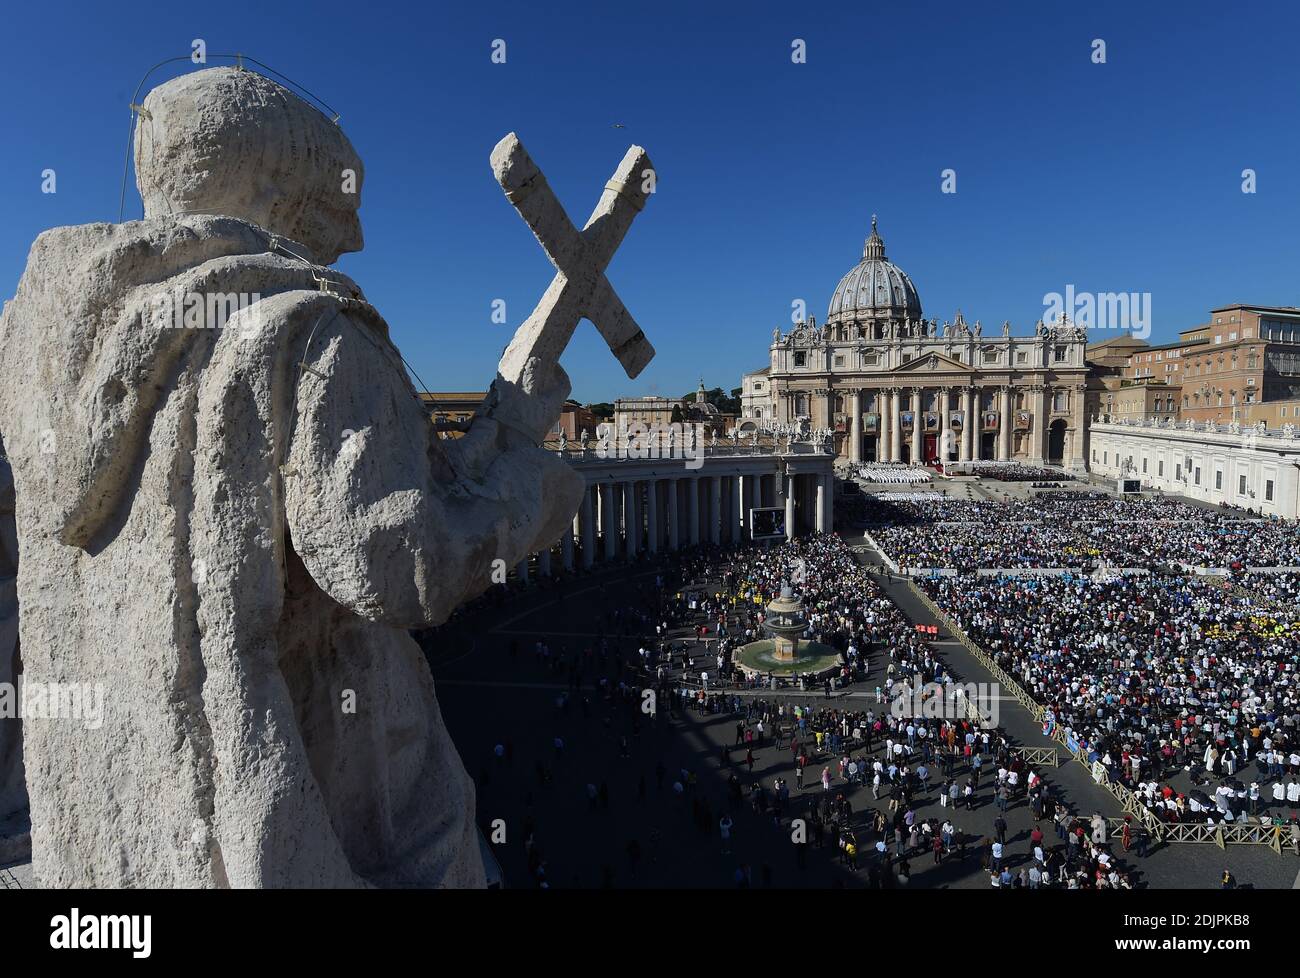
(874, 288)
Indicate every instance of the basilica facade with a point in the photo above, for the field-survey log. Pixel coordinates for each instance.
(894, 386)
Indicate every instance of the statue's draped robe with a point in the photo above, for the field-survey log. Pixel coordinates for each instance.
(234, 547)
(13, 790)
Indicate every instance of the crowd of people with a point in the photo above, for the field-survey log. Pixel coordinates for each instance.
(1277, 589)
(1015, 471)
(1160, 677)
(1067, 529)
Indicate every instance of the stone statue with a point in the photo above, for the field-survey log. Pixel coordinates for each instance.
(1006, 327)
(564, 441)
(231, 528)
(979, 327)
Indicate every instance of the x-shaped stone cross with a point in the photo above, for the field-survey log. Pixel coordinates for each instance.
(580, 288)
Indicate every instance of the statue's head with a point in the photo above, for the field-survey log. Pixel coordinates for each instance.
(232, 142)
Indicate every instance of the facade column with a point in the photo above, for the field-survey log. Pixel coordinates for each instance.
(674, 515)
(587, 526)
(693, 506)
(566, 550)
(895, 426)
(918, 429)
(1038, 427)
(968, 429)
(544, 562)
(945, 438)
(789, 507)
(608, 521)
(715, 510)
(855, 427)
(521, 569)
(652, 516)
(882, 425)
(1078, 456)
(821, 504)
(1004, 424)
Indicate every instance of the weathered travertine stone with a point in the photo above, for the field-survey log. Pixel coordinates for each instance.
(13, 790)
(234, 547)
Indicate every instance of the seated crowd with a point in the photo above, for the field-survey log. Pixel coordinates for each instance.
(1161, 677)
(1076, 529)
(894, 474)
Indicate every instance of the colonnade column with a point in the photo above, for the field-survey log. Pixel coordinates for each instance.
(608, 520)
(631, 536)
(587, 527)
(566, 550)
(674, 514)
(543, 562)
(738, 509)
(789, 507)
(652, 516)
(693, 506)
(715, 509)
(820, 515)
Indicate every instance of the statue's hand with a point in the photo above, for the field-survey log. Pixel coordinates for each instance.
(532, 405)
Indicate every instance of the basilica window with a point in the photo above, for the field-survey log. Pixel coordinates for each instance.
(801, 359)
(839, 360)
(1022, 357)
(990, 356)
(1060, 401)
(1061, 354)
(870, 359)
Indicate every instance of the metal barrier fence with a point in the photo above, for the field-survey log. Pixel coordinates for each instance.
(1040, 756)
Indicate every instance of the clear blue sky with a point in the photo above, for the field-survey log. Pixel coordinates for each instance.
(1116, 177)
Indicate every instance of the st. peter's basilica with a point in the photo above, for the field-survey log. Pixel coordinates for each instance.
(895, 386)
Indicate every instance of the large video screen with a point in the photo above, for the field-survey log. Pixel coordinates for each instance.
(767, 523)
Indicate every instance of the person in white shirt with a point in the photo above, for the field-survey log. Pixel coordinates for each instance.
(1293, 792)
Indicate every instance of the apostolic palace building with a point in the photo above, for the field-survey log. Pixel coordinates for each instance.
(895, 386)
